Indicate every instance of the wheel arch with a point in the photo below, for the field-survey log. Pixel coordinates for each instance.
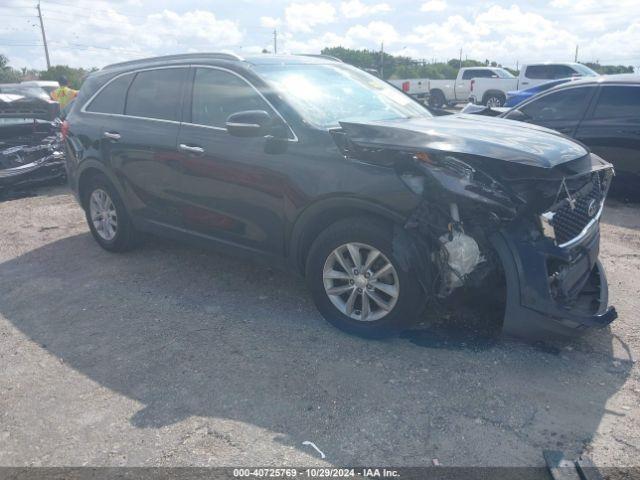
(315, 218)
(90, 169)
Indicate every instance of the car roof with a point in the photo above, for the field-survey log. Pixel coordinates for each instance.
(626, 78)
(480, 68)
(207, 57)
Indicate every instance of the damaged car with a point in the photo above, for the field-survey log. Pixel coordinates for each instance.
(31, 148)
(326, 170)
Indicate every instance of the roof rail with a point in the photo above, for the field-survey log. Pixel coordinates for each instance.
(316, 55)
(181, 56)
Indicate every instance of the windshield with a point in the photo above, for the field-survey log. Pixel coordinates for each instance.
(324, 95)
(584, 70)
(503, 73)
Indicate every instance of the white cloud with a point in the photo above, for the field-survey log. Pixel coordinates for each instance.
(434, 6)
(374, 32)
(302, 17)
(269, 22)
(503, 34)
(199, 25)
(357, 9)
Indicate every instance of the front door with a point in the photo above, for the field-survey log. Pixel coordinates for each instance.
(561, 110)
(232, 188)
(612, 130)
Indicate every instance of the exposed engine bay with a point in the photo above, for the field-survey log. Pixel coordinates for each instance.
(528, 220)
(31, 147)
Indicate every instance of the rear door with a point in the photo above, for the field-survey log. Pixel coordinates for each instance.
(561, 110)
(463, 86)
(612, 128)
(140, 143)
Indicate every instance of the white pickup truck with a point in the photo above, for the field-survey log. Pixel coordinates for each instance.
(492, 91)
(446, 92)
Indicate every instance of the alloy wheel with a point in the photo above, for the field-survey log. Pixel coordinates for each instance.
(103, 214)
(361, 282)
(494, 102)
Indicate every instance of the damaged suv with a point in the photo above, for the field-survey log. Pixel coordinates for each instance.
(320, 167)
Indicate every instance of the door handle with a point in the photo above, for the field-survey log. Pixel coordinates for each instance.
(111, 135)
(190, 148)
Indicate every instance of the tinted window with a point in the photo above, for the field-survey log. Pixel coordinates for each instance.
(561, 71)
(566, 104)
(618, 101)
(156, 94)
(469, 74)
(218, 94)
(537, 71)
(111, 98)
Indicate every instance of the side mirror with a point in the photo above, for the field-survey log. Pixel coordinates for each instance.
(250, 123)
(517, 115)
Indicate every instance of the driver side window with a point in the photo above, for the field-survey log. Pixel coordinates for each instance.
(218, 94)
(568, 104)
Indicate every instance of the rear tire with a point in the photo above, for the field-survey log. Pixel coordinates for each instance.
(437, 100)
(494, 100)
(108, 220)
(380, 306)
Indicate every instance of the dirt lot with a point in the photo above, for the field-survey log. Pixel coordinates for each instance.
(175, 356)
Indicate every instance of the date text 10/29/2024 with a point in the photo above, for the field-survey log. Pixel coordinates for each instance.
(315, 473)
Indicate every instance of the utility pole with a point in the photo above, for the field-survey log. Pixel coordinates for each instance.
(44, 37)
(576, 58)
(382, 60)
(275, 41)
(461, 58)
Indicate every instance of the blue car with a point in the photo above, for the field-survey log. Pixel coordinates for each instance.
(518, 96)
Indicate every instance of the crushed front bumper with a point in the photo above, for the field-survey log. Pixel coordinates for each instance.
(552, 291)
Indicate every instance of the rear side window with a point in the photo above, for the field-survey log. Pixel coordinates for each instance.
(469, 74)
(568, 104)
(537, 72)
(561, 71)
(111, 98)
(217, 94)
(550, 72)
(156, 94)
(618, 101)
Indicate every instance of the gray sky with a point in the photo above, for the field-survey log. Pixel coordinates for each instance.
(95, 33)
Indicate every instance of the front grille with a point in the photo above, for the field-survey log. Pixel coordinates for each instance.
(574, 214)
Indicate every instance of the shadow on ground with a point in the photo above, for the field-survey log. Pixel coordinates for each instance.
(187, 332)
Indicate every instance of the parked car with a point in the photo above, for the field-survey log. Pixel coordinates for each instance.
(516, 97)
(603, 113)
(493, 91)
(31, 151)
(446, 92)
(330, 172)
(22, 90)
(47, 85)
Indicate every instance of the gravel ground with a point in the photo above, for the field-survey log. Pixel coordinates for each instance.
(173, 356)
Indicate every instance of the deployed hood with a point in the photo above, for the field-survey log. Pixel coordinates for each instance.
(497, 138)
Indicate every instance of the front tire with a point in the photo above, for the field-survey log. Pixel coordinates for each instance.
(108, 220)
(357, 282)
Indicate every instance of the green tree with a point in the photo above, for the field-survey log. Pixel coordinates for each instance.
(74, 75)
(7, 73)
(609, 69)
